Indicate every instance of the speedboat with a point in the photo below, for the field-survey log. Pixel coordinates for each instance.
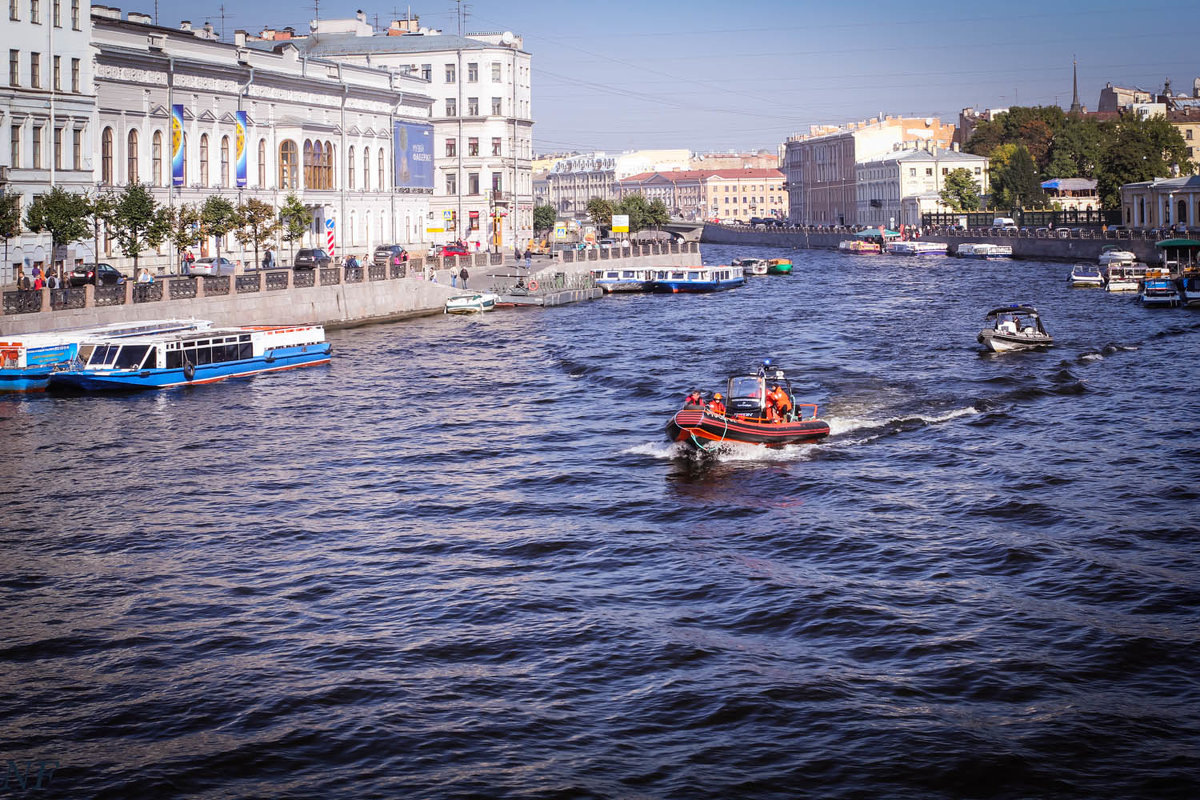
(1013, 328)
(698, 279)
(1125, 277)
(779, 266)
(1086, 275)
(1159, 290)
(917, 248)
(746, 419)
(859, 247)
(179, 359)
(624, 280)
(27, 361)
(751, 266)
(1112, 255)
(474, 303)
(984, 250)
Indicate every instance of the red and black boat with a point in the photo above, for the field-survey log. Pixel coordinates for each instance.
(746, 419)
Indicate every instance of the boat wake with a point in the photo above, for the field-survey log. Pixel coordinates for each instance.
(839, 426)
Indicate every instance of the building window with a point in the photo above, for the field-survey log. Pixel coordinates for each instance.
(497, 181)
(288, 163)
(14, 67)
(262, 163)
(472, 106)
(106, 157)
(57, 13)
(14, 11)
(35, 12)
(380, 166)
(473, 146)
(1188, 134)
(225, 161)
(56, 70)
(75, 75)
(204, 159)
(451, 107)
(495, 145)
(131, 157)
(472, 73)
(496, 107)
(495, 72)
(15, 143)
(451, 183)
(35, 142)
(928, 172)
(450, 76)
(35, 70)
(472, 183)
(156, 159)
(427, 72)
(451, 147)
(77, 149)
(978, 170)
(366, 168)
(350, 167)
(74, 15)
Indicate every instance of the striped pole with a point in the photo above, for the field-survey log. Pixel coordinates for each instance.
(329, 236)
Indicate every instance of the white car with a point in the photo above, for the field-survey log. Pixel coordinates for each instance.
(212, 266)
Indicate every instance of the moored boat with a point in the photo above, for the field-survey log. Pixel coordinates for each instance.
(27, 361)
(624, 280)
(753, 415)
(473, 303)
(751, 266)
(1015, 327)
(1189, 288)
(1086, 275)
(1159, 290)
(195, 357)
(984, 250)
(917, 248)
(1111, 255)
(1125, 277)
(859, 247)
(698, 279)
(779, 266)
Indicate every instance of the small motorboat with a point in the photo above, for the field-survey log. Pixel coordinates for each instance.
(1111, 255)
(1125, 277)
(1086, 275)
(1159, 290)
(779, 266)
(751, 266)
(1014, 328)
(474, 303)
(749, 417)
(859, 247)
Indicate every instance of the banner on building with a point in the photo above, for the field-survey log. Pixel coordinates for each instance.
(241, 148)
(412, 146)
(177, 145)
(620, 223)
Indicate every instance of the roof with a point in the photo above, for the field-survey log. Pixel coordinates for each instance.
(1183, 182)
(1178, 243)
(678, 175)
(1070, 184)
(348, 44)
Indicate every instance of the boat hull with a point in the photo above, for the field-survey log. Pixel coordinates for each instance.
(701, 428)
(24, 380)
(625, 286)
(1003, 343)
(677, 287)
(471, 304)
(147, 379)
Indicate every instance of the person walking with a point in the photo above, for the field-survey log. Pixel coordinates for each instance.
(463, 275)
(528, 258)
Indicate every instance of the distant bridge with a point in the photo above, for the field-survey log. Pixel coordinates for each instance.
(688, 231)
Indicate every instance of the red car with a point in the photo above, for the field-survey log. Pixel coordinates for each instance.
(449, 250)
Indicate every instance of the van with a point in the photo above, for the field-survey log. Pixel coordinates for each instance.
(1004, 223)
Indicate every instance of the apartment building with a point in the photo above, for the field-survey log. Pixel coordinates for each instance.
(898, 188)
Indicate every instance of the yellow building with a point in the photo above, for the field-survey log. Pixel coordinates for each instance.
(739, 194)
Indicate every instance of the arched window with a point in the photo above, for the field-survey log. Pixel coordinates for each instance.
(327, 166)
(184, 152)
(367, 168)
(106, 157)
(225, 161)
(308, 164)
(381, 184)
(289, 163)
(156, 159)
(204, 159)
(262, 163)
(131, 157)
(1181, 217)
(350, 168)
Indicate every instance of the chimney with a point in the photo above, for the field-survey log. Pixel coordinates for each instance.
(186, 25)
(239, 38)
(139, 18)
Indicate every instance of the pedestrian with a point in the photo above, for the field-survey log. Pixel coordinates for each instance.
(268, 261)
(51, 281)
(22, 278)
(463, 275)
(38, 281)
(528, 258)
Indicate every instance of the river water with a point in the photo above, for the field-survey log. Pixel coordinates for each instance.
(461, 561)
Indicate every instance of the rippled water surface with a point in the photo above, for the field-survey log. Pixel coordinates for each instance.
(462, 561)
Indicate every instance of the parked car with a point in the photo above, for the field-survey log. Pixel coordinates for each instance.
(102, 274)
(212, 266)
(311, 258)
(608, 244)
(448, 251)
(388, 253)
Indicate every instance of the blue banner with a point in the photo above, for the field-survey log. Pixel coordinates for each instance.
(412, 153)
(241, 148)
(177, 145)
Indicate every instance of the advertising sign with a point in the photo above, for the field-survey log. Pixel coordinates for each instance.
(620, 223)
(177, 145)
(241, 148)
(412, 146)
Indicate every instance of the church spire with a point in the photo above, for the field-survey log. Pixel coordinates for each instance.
(1075, 107)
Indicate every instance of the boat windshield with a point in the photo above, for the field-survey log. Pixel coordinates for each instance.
(132, 356)
(745, 386)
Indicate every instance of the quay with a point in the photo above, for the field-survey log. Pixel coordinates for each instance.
(335, 297)
(1080, 245)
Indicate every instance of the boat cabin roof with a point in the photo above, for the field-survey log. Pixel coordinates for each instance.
(1015, 309)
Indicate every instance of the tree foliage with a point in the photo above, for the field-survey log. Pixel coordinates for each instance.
(138, 221)
(218, 218)
(256, 223)
(659, 214)
(61, 213)
(1016, 184)
(960, 191)
(1140, 150)
(544, 217)
(600, 212)
(185, 227)
(295, 220)
(638, 209)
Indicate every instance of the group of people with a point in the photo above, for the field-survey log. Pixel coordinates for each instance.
(42, 279)
(777, 405)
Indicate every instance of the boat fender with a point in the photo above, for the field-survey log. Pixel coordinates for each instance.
(189, 370)
(533, 286)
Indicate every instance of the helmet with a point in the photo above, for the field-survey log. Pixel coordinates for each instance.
(716, 396)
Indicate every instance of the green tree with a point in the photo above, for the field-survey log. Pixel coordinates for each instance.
(658, 213)
(101, 211)
(256, 223)
(1016, 184)
(60, 213)
(1140, 150)
(185, 228)
(600, 212)
(544, 217)
(638, 210)
(1077, 149)
(218, 218)
(10, 219)
(139, 222)
(295, 220)
(961, 192)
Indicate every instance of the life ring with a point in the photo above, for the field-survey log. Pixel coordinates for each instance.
(533, 286)
(189, 370)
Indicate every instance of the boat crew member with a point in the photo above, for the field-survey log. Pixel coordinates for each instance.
(693, 399)
(783, 404)
(717, 404)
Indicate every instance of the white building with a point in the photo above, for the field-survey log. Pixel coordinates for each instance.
(47, 113)
(344, 139)
(575, 180)
(482, 117)
(883, 185)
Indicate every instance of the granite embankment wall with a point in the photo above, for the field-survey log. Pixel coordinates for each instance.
(1084, 247)
(334, 297)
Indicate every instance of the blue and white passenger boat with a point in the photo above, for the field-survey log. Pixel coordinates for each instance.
(984, 250)
(698, 279)
(624, 280)
(28, 360)
(1159, 291)
(180, 359)
(915, 247)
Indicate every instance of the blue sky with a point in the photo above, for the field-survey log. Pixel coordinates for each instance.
(745, 75)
